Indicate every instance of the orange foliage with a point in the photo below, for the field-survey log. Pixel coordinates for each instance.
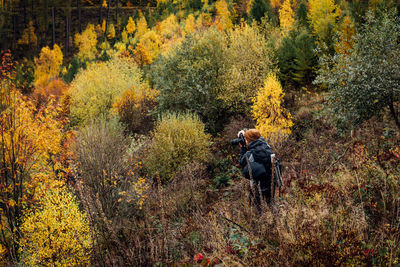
(55, 89)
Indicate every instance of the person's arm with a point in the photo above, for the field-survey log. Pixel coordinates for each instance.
(243, 155)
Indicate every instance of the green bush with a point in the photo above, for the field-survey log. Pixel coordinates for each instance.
(178, 139)
(95, 89)
(190, 77)
(213, 74)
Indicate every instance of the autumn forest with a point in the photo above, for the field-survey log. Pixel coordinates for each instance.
(116, 121)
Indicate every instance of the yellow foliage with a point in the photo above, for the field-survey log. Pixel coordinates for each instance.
(124, 37)
(275, 3)
(104, 4)
(95, 89)
(189, 24)
(56, 232)
(346, 34)
(204, 20)
(87, 42)
(273, 120)
(178, 139)
(103, 26)
(133, 107)
(131, 26)
(48, 65)
(111, 31)
(28, 36)
(141, 27)
(223, 16)
(148, 48)
(169, 27)
(286, 16)
(323, 15)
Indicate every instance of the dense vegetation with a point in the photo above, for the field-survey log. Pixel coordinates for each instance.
(116, 117)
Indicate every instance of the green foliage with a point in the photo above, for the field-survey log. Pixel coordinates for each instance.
(248, 63)
(259, 8)
(213, 75)
(297, 58)
(178, 139)
(366, 81)
(95, 89)
(191, 76)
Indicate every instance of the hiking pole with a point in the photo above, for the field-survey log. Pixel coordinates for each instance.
(273, 179)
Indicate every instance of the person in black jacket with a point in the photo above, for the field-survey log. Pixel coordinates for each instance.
(257, 153)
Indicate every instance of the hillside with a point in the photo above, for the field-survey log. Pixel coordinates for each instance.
(116, 146)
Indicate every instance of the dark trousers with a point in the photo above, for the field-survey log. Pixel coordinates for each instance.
(261, 189)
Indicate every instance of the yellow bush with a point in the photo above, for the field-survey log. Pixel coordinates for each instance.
(189, 24)
(178, 140)
(56, 232)
(86, 42)
(95, 89)
(48, 65)
(273, 120)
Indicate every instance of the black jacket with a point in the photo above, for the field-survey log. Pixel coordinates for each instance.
(259, 155)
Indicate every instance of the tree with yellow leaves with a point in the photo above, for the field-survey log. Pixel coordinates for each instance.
(131, 26)
(30, 141)
(28, 36)
(55, 232)
(148, 48)
(346, 36)
(111, 31)
(190, 24)
(48, 65)
(275, 4)
(86, 42)
(286, 17)
(323, 15)
(272, 119)
(141, 26)
(223, 16)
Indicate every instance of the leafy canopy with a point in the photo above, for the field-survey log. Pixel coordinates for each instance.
(365, 82)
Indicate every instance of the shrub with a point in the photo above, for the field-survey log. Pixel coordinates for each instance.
(248, 62)
(56, 232)
(48, 65)
(95, 89)
(213, 74)
(366, 82)
(134, 106)
(190, 77)
(178, 140)
(101, 156)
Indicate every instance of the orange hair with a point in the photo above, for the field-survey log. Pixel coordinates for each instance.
(252, 135)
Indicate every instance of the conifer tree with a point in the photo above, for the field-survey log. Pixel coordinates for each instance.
(286, 17)
(346, 34)
(272, 119)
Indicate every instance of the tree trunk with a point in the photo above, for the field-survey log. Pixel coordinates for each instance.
(101, 8)
(117, 16)
(54, 25)
(79, 16)
(107, 20)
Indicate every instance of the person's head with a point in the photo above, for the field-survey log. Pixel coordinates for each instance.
(251, 135)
